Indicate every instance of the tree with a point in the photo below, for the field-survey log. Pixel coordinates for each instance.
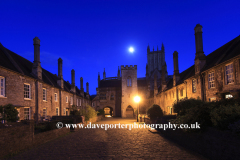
(9, 113)
(74, 111)
(155, 112)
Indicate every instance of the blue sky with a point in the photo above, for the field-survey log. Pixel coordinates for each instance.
(91, 35)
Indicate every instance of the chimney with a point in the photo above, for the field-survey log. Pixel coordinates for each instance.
(73, 89)
(200, 58)
(164, 84)
(147, 71)
(81, 87)
(60, 76)
(37, 69)
(176, 76)
(99, 79)
(104, 75)
(87, 85)
(118, 73)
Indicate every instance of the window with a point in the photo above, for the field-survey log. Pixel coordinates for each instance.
(80, 102)
(228, 96)
(112, 97)
(27, 91)
(2, 86)
(93, 104)
(44, 113)
(211, 80)
(194, 89)
(18, 113)
(26, 113)
(55, 97)
(102, 96)
(64, 110)
(71, 100)
(229, 73)
(44, 94)
(181, 92)
(57, 111)
(213, 99)
(129, 82)
(66, 99)
(77, 102)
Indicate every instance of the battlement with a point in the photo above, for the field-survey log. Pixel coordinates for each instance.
(128, 67)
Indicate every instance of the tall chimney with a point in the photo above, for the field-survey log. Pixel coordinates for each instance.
(98, 79)
(60, 76)
(81, 87)
(104, 75)
(164, 84)
(87, 85)
(176, 76)
(37, 69)
(118, 73)
(73, 89)
(200, 58)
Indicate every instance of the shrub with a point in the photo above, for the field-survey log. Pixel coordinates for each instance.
(89, 112)
(223, 114)
(10, 113)
(155, 112)
(100, 112)
(74, 111)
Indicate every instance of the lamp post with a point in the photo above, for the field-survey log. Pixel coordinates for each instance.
(137, 100)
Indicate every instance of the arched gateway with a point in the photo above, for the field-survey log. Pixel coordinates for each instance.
(108, 111)
(129, 112)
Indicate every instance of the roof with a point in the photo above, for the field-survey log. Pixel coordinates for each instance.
(109, 83)
(142, 82)
(21, 65)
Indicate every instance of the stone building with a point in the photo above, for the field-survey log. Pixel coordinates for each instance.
(35, 92)
(212, 77)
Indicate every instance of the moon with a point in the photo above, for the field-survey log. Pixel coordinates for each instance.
(131, 49)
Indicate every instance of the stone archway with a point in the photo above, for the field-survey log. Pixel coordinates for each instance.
(108, 111)
(129, 112)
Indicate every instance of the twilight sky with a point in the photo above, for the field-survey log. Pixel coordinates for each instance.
(90, 35)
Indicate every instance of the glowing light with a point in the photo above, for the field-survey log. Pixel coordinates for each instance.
(137, 99)
(131, 49)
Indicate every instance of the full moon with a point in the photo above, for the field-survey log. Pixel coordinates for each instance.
(131, 49)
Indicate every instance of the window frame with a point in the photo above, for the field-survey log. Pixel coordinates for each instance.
(129, 82)
(194, 85)
(66, 99)
(45, 113)
(211, 80)
(57, 111)
(2, 86)
(226, 70)
(55, 97)
(71, 100)
(29, 91)
(45, 91)
(29, 113)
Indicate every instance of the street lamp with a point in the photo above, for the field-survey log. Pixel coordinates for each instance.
(137, 100)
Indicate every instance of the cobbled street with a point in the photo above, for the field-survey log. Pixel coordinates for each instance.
(110, 144)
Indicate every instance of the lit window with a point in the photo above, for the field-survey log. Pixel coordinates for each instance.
(57, 111)
(44, 94)
(44, 113)
(229, 73)
(211, 80)
(27, 91)
(55, 96)
(194, 89)
(129, 82)
(26, 113)
(66, 99)
(2, 86)
(228, 96)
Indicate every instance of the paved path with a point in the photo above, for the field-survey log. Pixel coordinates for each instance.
(110, 144)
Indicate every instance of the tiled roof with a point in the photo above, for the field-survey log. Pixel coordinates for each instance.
(110, 83)
(26, 67)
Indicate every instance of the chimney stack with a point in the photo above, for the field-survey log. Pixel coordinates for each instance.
(118, 73)
(200, 58)
(104, 75)
(81, 87)
(164, 84)
(87, 85)
(99, 79)
(73, 89)
(176, 76)
(60, 76)
(37, 69)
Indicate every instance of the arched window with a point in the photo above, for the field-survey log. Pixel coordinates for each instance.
(129, 82)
